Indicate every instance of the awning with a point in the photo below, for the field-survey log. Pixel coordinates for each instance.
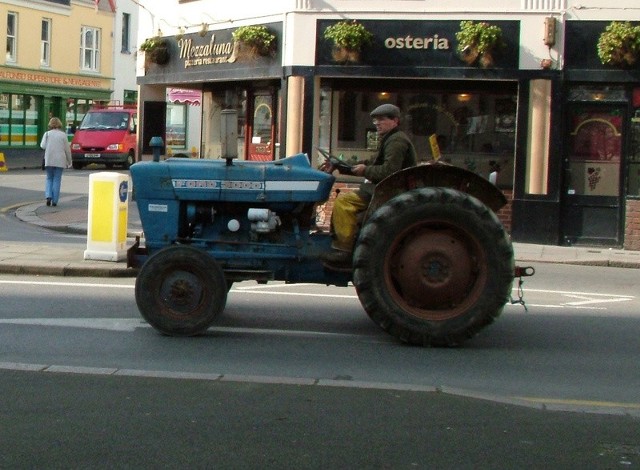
(184, 95)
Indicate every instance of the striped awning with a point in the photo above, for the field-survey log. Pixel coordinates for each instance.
(184, 95)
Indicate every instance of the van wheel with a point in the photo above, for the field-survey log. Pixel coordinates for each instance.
(131, 159)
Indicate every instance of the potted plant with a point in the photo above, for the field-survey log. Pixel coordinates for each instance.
(255, 40)
(156, 50)
(349, 37)
(619, 44)
(478, 41)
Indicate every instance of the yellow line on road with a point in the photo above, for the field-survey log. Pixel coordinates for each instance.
(559, 401)
(16, 206)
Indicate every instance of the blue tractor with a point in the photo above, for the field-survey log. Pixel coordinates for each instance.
(432, 264)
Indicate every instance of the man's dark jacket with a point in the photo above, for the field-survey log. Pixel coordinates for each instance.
(395, 153)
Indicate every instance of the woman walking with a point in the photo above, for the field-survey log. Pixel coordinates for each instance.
(57, 157)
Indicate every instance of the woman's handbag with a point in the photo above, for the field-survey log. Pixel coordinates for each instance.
(44, 145)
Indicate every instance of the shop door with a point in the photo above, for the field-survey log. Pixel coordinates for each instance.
(261, 127)
(593, 203)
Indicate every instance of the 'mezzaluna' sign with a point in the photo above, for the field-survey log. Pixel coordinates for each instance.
(206, 54)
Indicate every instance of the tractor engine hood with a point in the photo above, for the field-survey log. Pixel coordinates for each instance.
(291, 179)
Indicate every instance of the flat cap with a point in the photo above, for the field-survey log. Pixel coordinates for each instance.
(386, 110)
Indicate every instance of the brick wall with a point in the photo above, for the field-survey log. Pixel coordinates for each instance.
(632, 225)
(504, 214)
(323, 212)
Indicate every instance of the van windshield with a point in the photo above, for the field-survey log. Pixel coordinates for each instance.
(98, 120)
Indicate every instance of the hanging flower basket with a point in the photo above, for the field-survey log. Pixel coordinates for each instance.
(156, 50)
(478, 42)
(619, 44)
(254, 41)
(349, 38)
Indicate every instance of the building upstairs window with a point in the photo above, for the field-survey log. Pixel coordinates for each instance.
(90, 49)
(126, 33)
(12, 37)
(45, 43)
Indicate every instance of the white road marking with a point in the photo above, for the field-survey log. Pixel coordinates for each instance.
(66, 284)
(129, 325)
(592, 294)
(586, 299)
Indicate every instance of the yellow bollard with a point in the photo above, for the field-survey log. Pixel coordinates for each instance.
(107, 217)
(3, 164)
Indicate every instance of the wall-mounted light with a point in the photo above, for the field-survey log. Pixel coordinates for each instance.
(204, 30)
(383, 95)
(463, 97)
(181, 32)
(549, 31)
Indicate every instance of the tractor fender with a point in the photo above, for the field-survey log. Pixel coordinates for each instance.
(436, 175)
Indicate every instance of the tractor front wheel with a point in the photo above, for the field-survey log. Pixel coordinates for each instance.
(433, 266)
(180, 290)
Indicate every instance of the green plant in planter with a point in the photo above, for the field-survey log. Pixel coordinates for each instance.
(619, 44)
(156, 49)
(478, 41)
(349, 37)
(258, 38)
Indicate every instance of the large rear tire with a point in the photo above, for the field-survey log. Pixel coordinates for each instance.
(433, 266)
(180, 290)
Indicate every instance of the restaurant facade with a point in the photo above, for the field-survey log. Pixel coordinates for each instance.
(556, 129)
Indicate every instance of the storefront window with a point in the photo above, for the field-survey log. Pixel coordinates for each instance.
(18, 120)
(176, 126)
(256, 113)
(595, 151)
(261, 146)
(30, 120)
(597, 93)
(475, 130)
(76, 109)
(324, 120)
(634, 155)
(4, 118)
(212, 105)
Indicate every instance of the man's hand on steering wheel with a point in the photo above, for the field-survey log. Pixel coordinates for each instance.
(332, 163)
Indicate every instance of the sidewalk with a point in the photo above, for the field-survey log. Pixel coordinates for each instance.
(70, 216)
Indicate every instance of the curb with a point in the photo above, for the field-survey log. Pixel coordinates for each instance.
(70, 270)
(28, 214)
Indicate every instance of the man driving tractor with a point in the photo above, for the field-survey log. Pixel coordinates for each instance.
(395, 152)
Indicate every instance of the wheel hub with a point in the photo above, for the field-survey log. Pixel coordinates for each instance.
(181, 292)
(433, 270)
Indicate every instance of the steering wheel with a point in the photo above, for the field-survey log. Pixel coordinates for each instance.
(336, 163)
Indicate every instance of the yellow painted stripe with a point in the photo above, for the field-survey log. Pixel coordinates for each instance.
(603, 404)
(102, 211)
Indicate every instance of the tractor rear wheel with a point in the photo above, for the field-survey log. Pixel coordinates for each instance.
(180, 290)
(433, 266)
